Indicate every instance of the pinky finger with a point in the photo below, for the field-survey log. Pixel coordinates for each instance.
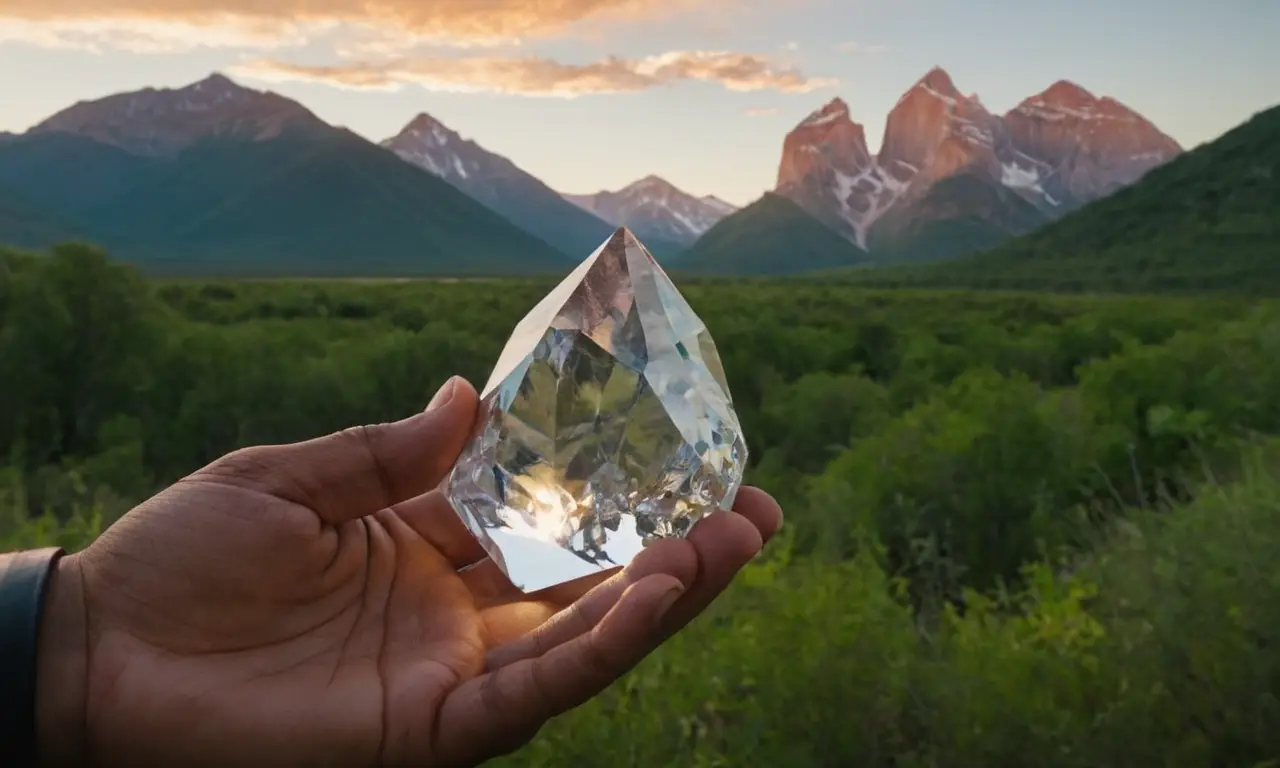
(500, 711)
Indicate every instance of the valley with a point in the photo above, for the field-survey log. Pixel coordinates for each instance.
(1014, 379)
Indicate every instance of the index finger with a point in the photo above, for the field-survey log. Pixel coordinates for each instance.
(362, 470)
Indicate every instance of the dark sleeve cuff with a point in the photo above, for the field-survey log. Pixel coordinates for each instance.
(24, 580)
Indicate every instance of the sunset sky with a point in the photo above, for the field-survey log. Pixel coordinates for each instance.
(592, 94)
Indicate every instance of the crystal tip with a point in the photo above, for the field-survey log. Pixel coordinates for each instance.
(623, 238)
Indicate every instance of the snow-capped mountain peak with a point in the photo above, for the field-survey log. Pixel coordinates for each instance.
(655, 209)
(429, 144)
(1090, 145)
(826, 164)
(425, 125)
(936, 83)
(651, 187)
(832, 111)
(498, 183)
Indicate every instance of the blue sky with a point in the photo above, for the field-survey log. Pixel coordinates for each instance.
(698, 91)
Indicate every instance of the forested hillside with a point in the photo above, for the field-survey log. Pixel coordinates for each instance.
(1020, 529)
(772, 236)
(324, 203)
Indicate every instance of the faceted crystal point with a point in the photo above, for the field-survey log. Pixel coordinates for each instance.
(605, 425)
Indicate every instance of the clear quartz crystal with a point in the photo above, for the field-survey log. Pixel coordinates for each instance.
(605, 425)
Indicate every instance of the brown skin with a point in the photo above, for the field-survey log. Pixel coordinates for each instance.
(302, 605)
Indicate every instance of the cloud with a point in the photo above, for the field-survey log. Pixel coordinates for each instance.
(761, 112)
(180, 24)
(536, 76)
(156, 35)
(853, 46)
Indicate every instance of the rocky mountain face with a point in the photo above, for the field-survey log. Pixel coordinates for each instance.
(429, 144)
(163, 122)
(828, 171)
(656, 210)
(1092, 146)
(1051, 154)
(500, 184)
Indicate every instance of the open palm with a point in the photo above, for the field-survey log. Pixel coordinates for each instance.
(320, 604)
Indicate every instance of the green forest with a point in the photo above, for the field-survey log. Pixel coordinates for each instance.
(1022, 529)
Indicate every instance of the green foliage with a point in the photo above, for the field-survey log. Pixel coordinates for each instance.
(1000, 541)
(74, 353)
(1154, 654)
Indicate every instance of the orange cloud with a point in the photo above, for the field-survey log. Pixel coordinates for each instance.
(535, 76)
(761, 112)
(156, 35)
(178, 22)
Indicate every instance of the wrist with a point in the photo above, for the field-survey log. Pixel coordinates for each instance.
(62, 668)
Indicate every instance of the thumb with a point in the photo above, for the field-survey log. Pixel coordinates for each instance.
(361, 470)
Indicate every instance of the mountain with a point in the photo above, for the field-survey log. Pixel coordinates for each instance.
(268, 191)
(1052, 153)
(956, 215)
(1091, 146)
(26, 225)
(657, 212)
(827, 169)
(1207, 220)
(773, 235)
(163, 122)
(501, 185)
(72, 174)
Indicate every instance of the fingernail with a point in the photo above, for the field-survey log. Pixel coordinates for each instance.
(443, 396)
(668, 600)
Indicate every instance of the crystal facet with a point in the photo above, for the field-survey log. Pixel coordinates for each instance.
(606, 424)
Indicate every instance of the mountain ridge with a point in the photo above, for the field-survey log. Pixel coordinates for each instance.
(159, 171)
(164, 121)
(656, 210)
(1207, 220)
(237, 181)
(500, 184)
(1056, 150)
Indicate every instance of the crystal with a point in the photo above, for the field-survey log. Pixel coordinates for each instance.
(605, 425)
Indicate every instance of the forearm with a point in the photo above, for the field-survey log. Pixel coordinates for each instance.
(43, 669)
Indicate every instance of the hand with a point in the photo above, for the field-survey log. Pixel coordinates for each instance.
(303, 605)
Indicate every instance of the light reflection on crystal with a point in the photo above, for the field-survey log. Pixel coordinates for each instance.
(606, 424)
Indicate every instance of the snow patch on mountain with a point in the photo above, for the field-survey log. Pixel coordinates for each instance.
(865, 197)
(428, 144)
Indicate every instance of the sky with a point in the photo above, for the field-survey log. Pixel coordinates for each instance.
(595, 94)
